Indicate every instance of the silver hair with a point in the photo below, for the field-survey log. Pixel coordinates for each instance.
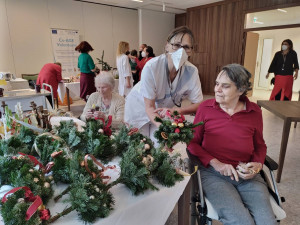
(105, 78)
(240, 76)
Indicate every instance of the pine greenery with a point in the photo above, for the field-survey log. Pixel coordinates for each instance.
(19, 171)
(14, 212)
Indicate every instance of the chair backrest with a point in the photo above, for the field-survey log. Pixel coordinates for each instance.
(30, 76)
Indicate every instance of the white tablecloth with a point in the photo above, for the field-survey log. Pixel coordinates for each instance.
(25, 96)
(150, 208)
(74, 90)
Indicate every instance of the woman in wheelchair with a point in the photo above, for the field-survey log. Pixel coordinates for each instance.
(231, 149)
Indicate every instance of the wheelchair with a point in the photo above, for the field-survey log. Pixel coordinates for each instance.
(202, 211)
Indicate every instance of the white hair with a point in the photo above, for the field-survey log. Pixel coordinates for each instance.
(105, 78)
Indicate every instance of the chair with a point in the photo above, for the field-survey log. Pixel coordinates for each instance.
(202, 210)
(31, 78)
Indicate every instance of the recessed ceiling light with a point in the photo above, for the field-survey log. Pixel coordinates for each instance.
(137, 0)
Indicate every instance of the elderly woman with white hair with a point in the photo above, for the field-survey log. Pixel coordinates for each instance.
(104, 101)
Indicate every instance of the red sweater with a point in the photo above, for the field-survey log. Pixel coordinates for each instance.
(50, 74)
(141, 64)
(230, 139)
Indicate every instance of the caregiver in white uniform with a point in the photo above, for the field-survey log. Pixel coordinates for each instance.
(124, 69)
(166, 81)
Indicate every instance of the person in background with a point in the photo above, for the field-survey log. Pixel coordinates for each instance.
(133, 65)
(147, 54)
(166, 80)
(230, 151)
(50, 74)
(284, 64)
(87, 70)
(141, 48)
(123, 66)
(109, 102)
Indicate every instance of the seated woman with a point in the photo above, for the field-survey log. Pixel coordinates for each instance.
(231, 149)
(109, 102)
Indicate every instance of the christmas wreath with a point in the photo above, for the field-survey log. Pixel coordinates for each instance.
(175, 128)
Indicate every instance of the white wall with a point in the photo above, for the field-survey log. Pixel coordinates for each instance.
(278, 36)
(155, 28)
(25, 40)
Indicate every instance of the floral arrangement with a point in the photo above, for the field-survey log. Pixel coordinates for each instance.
(174, 129)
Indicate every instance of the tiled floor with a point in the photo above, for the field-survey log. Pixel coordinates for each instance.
(290, 182)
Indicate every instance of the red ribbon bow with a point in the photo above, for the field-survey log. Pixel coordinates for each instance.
(37, 201)
(33, 159)
(106, 127)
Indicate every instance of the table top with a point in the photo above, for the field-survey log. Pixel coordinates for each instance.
(23, 93)
(283, 109)
(150, 208)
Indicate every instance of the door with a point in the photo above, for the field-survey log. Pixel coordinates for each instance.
(250, 55)
(266, 58)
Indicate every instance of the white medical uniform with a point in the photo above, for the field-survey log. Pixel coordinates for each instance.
(155, 84)
(124, 70)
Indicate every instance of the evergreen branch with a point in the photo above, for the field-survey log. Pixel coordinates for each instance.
(157, 119)
(117, 181)
(63, 213)
(197, 124)
(62, 194)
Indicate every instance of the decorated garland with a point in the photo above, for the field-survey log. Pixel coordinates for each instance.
(70, 155)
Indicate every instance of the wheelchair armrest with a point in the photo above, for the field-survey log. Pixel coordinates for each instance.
(270, 163)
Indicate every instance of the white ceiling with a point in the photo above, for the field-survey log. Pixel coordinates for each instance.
(172, 6)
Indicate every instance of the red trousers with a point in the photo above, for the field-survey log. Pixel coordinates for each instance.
(283, 84)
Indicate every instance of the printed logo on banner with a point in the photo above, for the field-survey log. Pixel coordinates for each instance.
(63, 44)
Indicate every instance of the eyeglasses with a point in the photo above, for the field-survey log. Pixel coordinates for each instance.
(185, 47)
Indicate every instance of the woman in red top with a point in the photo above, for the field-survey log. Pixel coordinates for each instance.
(50, 74)
(231, 149)
(147, 54)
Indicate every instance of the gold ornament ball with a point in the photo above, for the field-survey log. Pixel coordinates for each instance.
(41, 207)
(46, 185)
(181, 125)
(174, 124)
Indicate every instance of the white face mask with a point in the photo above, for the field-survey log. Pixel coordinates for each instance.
(143, 54)
(284, 47)
(179, 57)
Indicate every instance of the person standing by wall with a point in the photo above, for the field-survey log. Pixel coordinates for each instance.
(87, 68)
(124, 69)
(284, 64)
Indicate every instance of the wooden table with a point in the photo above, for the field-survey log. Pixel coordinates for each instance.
(289, 111)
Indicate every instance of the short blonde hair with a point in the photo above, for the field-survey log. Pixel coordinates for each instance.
(105, 78)
(123, 47)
